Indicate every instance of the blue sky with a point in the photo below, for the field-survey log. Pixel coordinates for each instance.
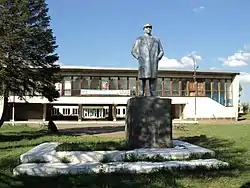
(101, 33)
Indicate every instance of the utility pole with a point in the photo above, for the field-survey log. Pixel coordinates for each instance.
(194, 78)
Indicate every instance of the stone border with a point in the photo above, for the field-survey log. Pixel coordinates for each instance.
(46, 152)
(51, 169)
(44, 160)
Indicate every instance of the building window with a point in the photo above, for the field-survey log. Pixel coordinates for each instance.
(159, 87)
(85, 84)
(105, 83)
(55, 111)
(75, 111)
(229, 93)
(184, 86)
(200, 87)
(113, 83)
(76, 86)
(132, 86)
(222, 92)
(118, 111)
(215, 90)
(95, 82)
(167, 82)
(66, 111)
(175, 87)
(208, 88)
(123, 83)
(67, 86)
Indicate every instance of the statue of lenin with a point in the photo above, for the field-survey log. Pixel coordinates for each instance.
(148, 51)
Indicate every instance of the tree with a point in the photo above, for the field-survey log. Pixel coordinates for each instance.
(245, 107)
(240, 89)
(240, 92)
(27, 50)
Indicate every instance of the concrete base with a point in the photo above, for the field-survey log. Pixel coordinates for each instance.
(54, 169)
(182, 150)
(44, 160)
(44, 152)
(149, 122)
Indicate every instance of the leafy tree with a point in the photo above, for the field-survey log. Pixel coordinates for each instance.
(245, 106)
(27, 50)
(240, 89)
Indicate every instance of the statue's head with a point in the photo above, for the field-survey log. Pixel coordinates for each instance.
(147, 28)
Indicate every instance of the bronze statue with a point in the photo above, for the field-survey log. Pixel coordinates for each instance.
(148, 51)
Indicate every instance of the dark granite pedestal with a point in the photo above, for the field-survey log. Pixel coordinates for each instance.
(149, 122)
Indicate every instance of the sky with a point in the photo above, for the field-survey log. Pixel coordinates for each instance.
(101, 33)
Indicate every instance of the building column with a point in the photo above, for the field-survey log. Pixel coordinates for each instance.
(114, 112)
(13, 114)
(235, 92)
(49, 112)
(13, 111)
(110, 116)
(44, 112)
(79, 112)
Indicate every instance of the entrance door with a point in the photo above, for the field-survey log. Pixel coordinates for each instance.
(177, 111)
(92, 113)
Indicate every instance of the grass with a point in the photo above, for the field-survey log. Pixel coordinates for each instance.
(230, 142)
(247, 116)
(65, 160)
(90, 145)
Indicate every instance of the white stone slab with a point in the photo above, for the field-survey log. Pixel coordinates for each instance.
(182, 150)
(50, 169)
(44, 152)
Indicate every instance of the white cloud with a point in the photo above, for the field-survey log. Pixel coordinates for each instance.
(213, 68)
(244, 77)
(198, 9)
(238, 59)
(186, 61)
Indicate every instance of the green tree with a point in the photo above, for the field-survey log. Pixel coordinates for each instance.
(240, 89)
(27, 50)
(245, 106)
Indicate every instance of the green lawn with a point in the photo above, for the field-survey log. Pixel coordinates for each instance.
(247, 116)
(231, 143)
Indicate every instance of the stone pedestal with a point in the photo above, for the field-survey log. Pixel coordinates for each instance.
(149, 122)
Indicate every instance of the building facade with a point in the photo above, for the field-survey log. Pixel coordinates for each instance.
(102, 93)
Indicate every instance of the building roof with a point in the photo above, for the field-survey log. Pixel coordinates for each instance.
(64, 67)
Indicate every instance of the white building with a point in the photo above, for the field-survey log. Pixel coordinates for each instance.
(99, 93)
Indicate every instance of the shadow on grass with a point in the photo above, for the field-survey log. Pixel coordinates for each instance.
(93, 146)
(225, 150)
(92, 130)
(156, 180)
(18, 136)
(246, 185)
